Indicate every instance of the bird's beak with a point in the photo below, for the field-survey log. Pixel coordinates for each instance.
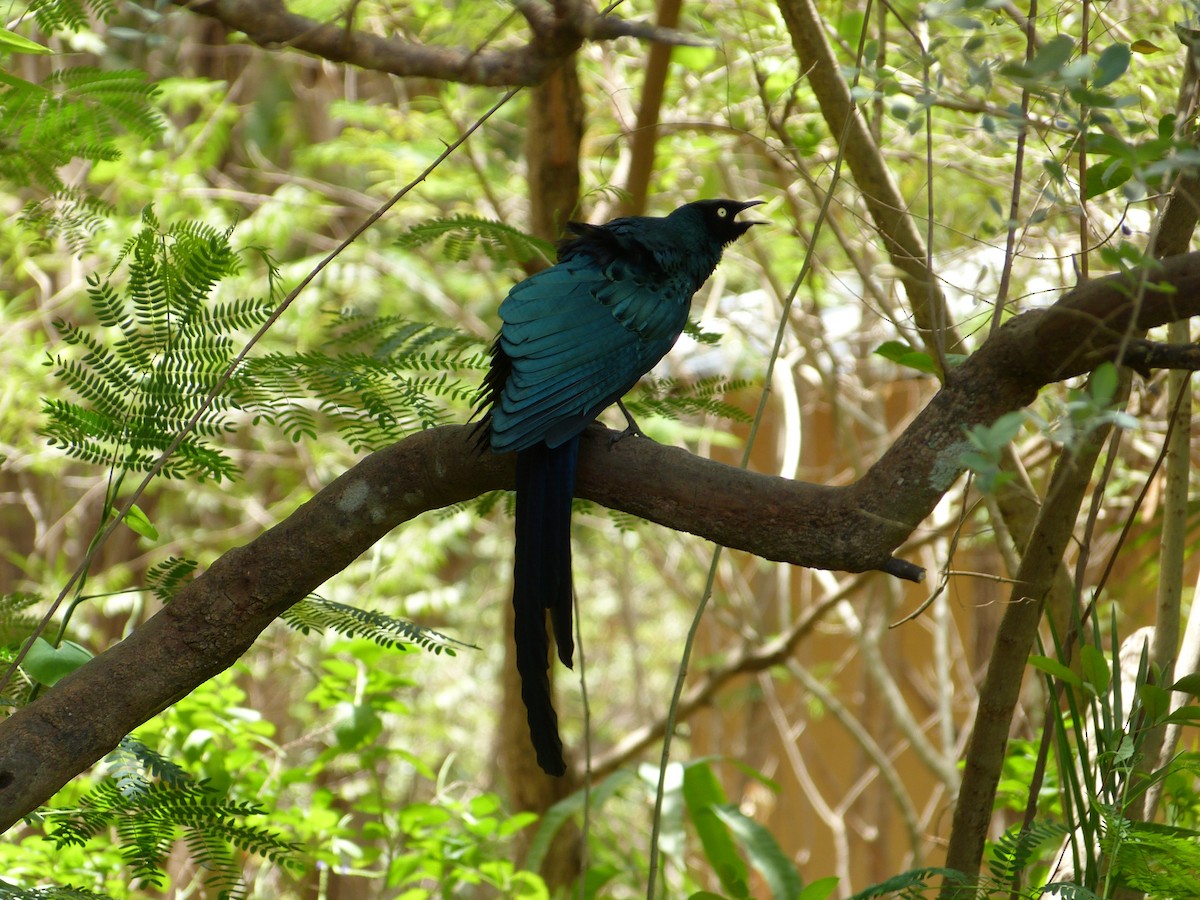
(742, 207)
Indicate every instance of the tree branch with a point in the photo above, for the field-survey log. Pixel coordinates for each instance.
(1145, 356)
(269, 23)
(889, 209)
(1015, 637)
(855, 528)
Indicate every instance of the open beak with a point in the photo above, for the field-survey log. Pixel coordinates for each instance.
(745, 206)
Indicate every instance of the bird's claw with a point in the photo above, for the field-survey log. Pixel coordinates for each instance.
(631, 431)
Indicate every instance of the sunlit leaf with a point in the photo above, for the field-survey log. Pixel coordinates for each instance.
(48, 664)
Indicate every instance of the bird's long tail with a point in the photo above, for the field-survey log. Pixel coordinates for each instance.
(541, 582)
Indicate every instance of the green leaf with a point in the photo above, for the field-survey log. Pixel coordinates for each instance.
(904, 883)
(1185, 715)
(702, 794)
(558, 814)
(47, 664)
(357, 723)
(819, 889)
(1103, 178)
(765, 854)
(1055, 669)
(904, 355)
(1053, 56)
(1103, 384)
(11, 42)
(139, 523)
(1155, 701)
(1188, 684)
(1111, 65)
(698, 59)
(1095, 668)
(1005, 428)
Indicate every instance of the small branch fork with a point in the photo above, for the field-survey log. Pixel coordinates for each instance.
(555, 32)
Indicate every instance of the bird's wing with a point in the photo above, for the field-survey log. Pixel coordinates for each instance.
(577, 337)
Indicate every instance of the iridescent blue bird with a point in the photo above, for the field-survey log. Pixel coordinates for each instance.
(575, 338)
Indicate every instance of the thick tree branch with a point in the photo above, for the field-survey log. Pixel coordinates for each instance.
(269, 23)
(216, 618)
(888, 207)
(1015, 638)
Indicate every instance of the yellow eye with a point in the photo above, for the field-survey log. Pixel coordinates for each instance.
(722, 212)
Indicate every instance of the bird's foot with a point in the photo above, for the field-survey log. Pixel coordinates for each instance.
(631, 426)
(632, 431)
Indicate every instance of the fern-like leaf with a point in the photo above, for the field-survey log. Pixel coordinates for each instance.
(166, 578)
(461, 236)
(912, 883)
(69, 15)
(75, 114)
(318, 614)
(66, 212)
(16, 622)
(1155, 859)
(136, 392)
(133, 764)
(1017, 846)
(150, 803)
(162, 347)
(51, 892)
(673, 399)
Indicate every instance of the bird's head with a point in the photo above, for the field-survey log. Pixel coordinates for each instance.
(720, 218)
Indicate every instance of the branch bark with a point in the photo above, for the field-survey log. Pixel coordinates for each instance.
(887, 206)
(1001, 688)
(553, 38)
(217, 617)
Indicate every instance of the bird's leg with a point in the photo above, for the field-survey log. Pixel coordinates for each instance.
(632, 427)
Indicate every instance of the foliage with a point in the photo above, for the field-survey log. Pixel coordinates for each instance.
(989, 442)
(167, 576)
(156, 354)
(911, 884)
(149, 802)
(16, 624)
(162, 364)
(318, 614)
(726, 837)
(460, 237)
(72, 15)
(56, 892)
(75, 113)
(1016, 848)
(672, 399)
(389, 377)
(326, 728)
(454, 845)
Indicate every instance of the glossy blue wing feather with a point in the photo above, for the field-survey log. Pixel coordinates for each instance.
(577, 339)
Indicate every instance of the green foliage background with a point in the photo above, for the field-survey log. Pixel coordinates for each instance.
(155, 213)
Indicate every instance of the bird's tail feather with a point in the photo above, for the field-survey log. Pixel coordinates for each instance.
(541, 582)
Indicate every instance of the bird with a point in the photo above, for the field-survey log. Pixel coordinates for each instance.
(574, 339)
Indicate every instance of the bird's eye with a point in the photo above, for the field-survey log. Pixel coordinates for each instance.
(722, 212)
